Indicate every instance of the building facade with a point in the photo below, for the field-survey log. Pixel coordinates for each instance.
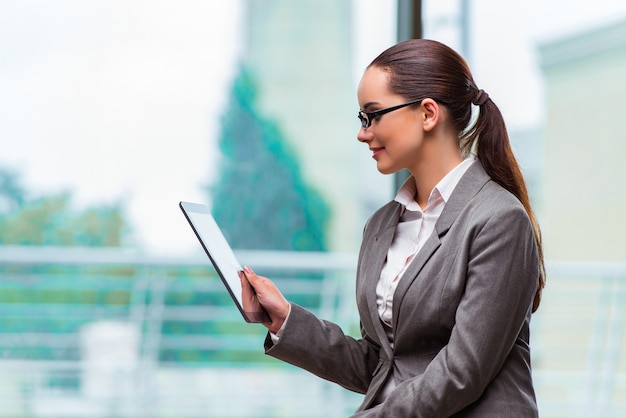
(584, 196)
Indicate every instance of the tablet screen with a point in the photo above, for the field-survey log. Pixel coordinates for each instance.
(223, 259)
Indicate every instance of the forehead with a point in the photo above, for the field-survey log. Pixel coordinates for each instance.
(374, 86)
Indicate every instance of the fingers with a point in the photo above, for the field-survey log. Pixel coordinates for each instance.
(248, 295)
(268, 295)
(261, 285)
(250, 275)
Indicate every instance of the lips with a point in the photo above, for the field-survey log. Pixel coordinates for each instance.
(376, 152)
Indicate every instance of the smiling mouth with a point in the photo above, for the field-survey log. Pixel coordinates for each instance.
(376, 152)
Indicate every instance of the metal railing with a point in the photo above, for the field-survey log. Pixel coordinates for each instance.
(50, 297)
(189, 353)
(579, 341)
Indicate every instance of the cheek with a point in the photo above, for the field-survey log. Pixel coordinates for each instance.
(405, 129)
(405, 140)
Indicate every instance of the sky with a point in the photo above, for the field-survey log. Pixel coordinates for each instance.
(118, 101)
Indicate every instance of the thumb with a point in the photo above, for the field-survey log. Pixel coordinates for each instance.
(269, 297)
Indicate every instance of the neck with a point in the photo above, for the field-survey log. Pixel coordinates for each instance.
(438, 160)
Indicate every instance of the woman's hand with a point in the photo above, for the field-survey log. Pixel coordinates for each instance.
(259, 289)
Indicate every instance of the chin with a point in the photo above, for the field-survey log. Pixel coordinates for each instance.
(386, 170)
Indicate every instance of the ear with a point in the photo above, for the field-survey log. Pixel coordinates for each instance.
(432, 114)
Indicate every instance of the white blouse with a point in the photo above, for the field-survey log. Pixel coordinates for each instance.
(412, 231)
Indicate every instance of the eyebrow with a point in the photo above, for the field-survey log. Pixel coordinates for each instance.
(369, 104)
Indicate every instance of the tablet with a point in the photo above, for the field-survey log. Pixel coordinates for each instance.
(224, 260)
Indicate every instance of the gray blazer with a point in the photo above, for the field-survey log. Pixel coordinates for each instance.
(461, 315)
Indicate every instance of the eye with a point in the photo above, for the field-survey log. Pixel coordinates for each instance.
(374, 116)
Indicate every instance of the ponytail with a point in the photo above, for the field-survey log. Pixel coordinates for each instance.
(489, 137)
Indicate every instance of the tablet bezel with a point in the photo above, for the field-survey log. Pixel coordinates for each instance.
(215, 237)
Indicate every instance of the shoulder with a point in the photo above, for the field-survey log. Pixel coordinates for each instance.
(477, 200)
(494, 200)
(495, 215)
(477, 189)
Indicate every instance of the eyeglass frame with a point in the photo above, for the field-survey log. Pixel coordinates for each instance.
(366, 121)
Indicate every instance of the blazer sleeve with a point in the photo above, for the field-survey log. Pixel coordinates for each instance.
(502, 271)
(323, 349)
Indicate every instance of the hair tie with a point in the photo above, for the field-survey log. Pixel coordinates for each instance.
(480, 98)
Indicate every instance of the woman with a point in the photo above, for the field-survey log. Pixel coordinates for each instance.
(448, 273)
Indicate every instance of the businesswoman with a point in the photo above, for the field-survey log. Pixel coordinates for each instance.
(448, 273)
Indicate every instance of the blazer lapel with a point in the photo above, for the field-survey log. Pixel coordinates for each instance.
(374, 260)
(470, 184)
(409, 276)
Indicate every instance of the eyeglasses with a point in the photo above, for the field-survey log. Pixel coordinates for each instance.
(367, 117)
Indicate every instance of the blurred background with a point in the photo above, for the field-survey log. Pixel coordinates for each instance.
(111, 112)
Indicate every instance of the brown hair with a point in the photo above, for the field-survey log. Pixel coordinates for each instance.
(421, 68)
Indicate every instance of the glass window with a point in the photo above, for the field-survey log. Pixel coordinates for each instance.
(114, 112)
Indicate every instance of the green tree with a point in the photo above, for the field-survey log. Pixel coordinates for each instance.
(261, 199)
(12, 193)
(49, 220)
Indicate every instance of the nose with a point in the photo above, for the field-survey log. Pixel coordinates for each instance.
(364, 135)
